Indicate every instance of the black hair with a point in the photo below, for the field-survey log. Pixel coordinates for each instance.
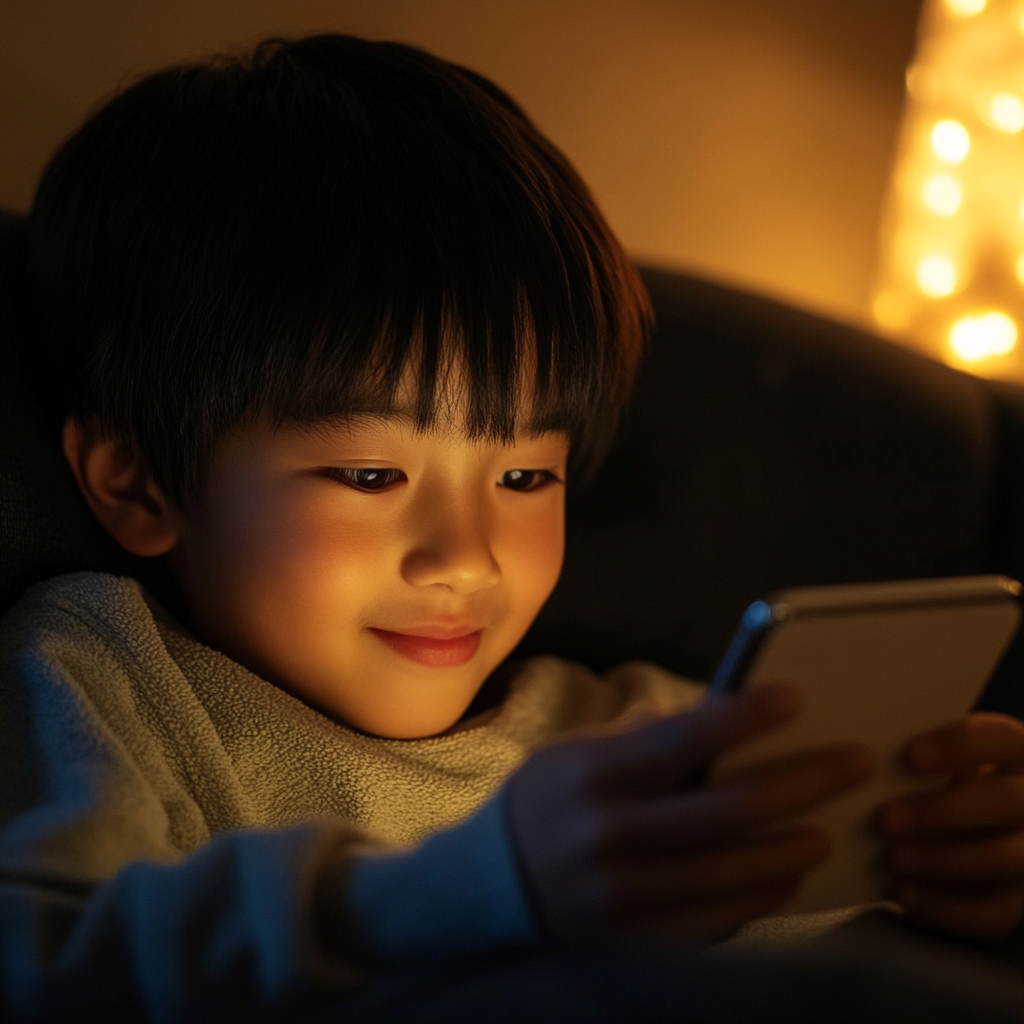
(280, 235)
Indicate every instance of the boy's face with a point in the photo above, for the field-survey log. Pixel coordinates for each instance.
(378, 573)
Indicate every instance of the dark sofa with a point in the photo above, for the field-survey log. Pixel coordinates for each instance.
(764, 447)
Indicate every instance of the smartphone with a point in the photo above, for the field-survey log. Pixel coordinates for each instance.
(877, 663)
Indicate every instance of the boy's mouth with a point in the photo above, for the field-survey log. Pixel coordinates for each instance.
(440, 651)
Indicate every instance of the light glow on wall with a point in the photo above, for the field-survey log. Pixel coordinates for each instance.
(951, 267)
(965, 8)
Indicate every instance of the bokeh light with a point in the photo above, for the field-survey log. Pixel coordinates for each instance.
(1005, 112)
(936, 276)
(942, 194)
(951, 141)
(979, 337)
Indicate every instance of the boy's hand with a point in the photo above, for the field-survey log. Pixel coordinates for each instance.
(615, 838)
(957, 853)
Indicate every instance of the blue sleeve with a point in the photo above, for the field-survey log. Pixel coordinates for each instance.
(237, 929)
(227, 933)
(457, 894)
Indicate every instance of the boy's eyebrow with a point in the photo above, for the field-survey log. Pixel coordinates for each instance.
(354, 420)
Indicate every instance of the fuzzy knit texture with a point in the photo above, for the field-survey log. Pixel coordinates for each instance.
(123, 738)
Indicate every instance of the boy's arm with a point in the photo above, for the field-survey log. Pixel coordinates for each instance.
(256, 923)
(456, 895)
(229, 930)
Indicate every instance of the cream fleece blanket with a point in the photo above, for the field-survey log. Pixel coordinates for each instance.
(122, 737)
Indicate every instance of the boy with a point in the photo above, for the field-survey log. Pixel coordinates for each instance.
(332, 327)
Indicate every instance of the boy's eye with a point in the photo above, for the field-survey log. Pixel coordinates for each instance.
(526, 479)
(367, 479)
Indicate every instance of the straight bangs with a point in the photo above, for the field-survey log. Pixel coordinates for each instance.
(299, 234)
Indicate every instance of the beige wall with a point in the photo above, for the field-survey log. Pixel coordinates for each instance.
(746, 139)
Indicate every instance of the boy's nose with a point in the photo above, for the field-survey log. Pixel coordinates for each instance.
(455, 552)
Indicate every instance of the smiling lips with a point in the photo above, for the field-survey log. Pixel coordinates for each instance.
(435, 648)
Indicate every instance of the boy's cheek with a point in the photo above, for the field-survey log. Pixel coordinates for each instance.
(538, 572)
(532, 551)
(266, 591)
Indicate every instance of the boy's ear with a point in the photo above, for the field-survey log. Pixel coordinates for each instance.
(119, 488)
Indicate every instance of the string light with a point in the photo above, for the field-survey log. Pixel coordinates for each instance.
(1005, 112)
(950, 141)
(936, 276)
(977, 337)
(942, 194)
(951, 267)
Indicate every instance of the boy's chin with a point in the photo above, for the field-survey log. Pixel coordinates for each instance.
(404, 729)
(413, 710)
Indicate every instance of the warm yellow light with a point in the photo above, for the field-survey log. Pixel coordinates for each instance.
(942, 194)
(989, 334)
(950, 141)
(951, 265)
(965, 8)
(1005, 112)
(936, 276)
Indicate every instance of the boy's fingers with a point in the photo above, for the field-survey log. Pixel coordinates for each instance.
(989, 917)
(999, 859)
(983, 738)
(702, 876)
(992, 802)
(693, 819)
(669, 749)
